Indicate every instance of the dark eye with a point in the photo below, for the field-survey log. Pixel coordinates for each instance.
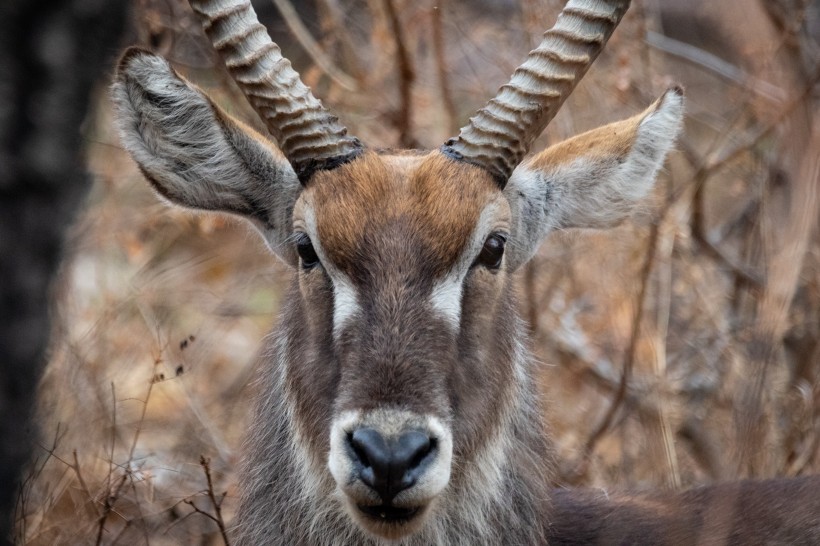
(306, 251)
(492, 252)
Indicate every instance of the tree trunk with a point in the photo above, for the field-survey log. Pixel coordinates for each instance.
(51, 53)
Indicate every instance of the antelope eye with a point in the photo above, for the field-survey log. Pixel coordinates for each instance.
(492, 252)
(307, 254)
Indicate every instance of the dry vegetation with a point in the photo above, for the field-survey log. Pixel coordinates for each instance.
(680, 348)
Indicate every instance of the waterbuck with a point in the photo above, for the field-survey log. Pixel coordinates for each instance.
(397, 402)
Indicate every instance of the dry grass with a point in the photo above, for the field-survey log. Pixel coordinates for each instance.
(160, 311)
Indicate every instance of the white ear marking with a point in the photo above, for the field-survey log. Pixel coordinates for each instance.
(593, 180)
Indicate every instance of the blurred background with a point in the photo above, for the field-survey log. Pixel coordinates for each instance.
(681, 348)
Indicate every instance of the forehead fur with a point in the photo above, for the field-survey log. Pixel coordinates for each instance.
(431, 202)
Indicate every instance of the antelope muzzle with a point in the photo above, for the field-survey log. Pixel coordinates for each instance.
(390, 466)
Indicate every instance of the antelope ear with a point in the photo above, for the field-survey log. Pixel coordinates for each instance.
(593, 180)
(197, 156)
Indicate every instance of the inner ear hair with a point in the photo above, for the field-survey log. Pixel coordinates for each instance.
(594, 180)
(196, 155)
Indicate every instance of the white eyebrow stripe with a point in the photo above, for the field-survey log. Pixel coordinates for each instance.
(345, 301)
(345, 297)
(445, 298)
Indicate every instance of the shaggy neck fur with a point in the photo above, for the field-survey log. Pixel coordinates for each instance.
(289, 497)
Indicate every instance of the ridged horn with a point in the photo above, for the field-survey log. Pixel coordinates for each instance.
(499, 136)
(310, 137)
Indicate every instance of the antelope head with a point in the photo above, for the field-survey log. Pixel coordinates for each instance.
(404, 371)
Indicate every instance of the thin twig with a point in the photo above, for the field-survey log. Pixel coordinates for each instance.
(804, 458)
(197, 510)
(125, 527)
(714, 64)
(38, 466)
(703, 447)
(138, 504)
(718, 160)
(108, 507)
(441, 67)
(629, 360)
(217, 504)
(113, 435)
(335, 27)
(178, 518)
(157, 362)
(720, 157)
(83, 486)
(407, 76)
(302, 34)
(663, 303)
(742, 272)
(804, 438)
(113, 495)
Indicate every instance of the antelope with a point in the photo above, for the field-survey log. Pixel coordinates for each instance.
(396, 401)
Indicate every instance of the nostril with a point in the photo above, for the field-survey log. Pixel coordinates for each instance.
(390, 465)
(412, 448)
(371, 454)
(423, 454)
(359, 450)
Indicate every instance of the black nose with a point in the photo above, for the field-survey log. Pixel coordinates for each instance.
(390, 465)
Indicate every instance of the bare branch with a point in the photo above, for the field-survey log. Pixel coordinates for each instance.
(111, 498)
(441, 67)
(629, 359)
(724, 156)
(302, 34)
(334, 27)
(216, 517)
(407, 76)
(716, 65)
(83, 486)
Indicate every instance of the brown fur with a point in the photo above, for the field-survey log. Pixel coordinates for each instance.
(746, 513)
(614, 140)
(429, 193)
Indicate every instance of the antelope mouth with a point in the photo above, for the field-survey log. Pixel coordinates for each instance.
(387, 513)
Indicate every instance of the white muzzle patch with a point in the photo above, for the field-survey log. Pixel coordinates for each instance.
(390, 424)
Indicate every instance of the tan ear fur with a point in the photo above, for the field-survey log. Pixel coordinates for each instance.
(593, 180)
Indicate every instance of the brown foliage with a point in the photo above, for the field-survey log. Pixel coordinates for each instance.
(680, 348)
